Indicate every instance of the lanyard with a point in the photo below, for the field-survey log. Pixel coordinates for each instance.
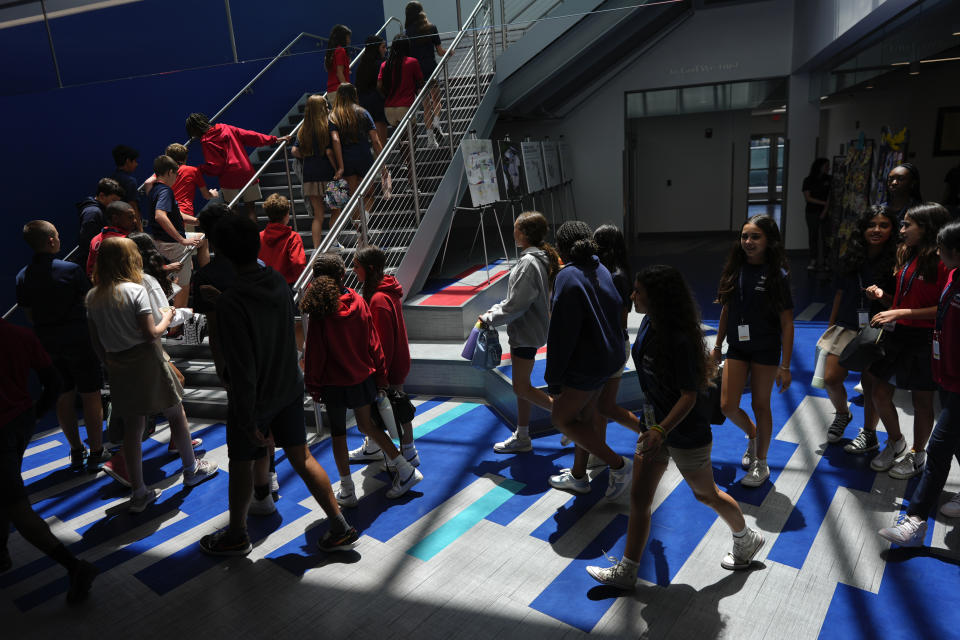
(860, 282)
(943, 307)
(902, 292)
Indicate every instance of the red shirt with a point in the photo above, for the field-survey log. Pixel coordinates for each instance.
(385, 306)
(340, 59)
(108, 232)
(225, 154)
(281, 248)
(189, 179)
(920, 293)
(343, 349)
(946, 368)
(411, 77)
(21, 352)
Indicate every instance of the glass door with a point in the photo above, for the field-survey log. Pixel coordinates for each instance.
(765, 184)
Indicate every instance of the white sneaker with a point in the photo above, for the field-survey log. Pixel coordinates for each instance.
(274, 482)
(345, 499)
(369, 452)
(619, 482)
(619, 575)
(593, 462)
(750, 454)
(403, 480)
(565, 481)
(758, 474)
(744, 548)
(205, 470)
(889, 455)
(910, 465)
(951, 509)
(565, 441)
(908, 532)
(262, 507)
(431, 140)
(513, 444)
(138, 503)
(412, 456)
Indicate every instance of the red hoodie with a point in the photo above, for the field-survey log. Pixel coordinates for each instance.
(225, 155)
(388, 318)
(282, 249)
(343, 349)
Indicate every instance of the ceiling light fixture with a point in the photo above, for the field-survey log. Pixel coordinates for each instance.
(940, 60)
(914, 68)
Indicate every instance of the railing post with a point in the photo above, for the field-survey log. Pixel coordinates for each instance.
(476, 59)
(459, 16)
(414, 189)
(503, 25)
(446, 98)
(364, 235)
(286, 166)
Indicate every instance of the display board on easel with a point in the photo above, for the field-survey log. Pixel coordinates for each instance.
(533, 166)
(566, 160)
(481, 171)
(512, 176)
(551, 164)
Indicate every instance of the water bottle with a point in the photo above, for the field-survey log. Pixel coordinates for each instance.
(818, 381)
(386, 414)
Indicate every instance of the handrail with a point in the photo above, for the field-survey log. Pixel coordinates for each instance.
(236, 97)
(346, 215)
(282, 145)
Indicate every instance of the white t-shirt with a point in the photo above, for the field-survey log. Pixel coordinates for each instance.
(116, 321)
(158, 300)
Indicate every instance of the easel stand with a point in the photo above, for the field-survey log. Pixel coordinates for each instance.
(480, 232)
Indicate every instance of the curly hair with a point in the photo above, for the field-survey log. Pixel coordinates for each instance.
(931, 217)
(856, 254)
(322, 299)
(575, 241)
(775, 259)
(674, 315)
(533, 225)
(373, 260)
(153, 261)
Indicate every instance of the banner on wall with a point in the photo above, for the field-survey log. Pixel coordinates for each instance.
(533, 166)
(551, 164)
(566, 160)
(481, 172)
(512, 176)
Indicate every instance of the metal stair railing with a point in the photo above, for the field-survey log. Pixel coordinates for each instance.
(405, 174)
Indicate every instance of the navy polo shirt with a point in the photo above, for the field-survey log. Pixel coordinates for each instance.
(752, 306)
(129, 184)
(162, 198)
(54, 290)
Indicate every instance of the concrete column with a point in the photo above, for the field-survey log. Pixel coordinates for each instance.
(803, 127)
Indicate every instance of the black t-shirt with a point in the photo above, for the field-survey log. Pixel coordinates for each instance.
(952, 179)
(162, 198)
(819, 188)
(750, 304)
(662, 392)
(854, 299)
(622, 282)
(423, 47)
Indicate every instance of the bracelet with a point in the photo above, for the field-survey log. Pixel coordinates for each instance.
(782, 368)
(657, 427)
(718, 347)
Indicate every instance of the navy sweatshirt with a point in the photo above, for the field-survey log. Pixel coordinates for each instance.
(585, 339)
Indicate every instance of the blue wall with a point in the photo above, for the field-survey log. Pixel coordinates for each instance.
(57, 142)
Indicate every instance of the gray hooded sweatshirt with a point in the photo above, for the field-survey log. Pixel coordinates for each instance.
(526, 311)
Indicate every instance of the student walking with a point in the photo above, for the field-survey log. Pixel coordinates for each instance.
(526, 312)
(336, 60)
(92, 219)
(673, 368)
(384, 295)
(120, 221)
(908, 333)
(757, 322)
(584, 349)
(911, 529)
(280, 246)
(318, 145)
(265, 390)
(816, 191)
(371, 99)
(173, 241)
(358, 135)
(425, 45)
(126, 338)
(345, 369)
(869, 261)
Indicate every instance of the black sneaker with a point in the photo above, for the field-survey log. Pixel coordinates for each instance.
(81, 579)
(221, 544)
(865, 442)
(339, 541)
(839, 425)
(77, 459)
(95, 460)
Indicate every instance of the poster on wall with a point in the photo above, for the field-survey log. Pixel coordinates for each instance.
(481, 171)
(533, 166)
(551, 164)
(566, 160)
(512, 176)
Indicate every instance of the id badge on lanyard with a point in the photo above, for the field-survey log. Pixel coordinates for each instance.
(863, 318)
(649, 416)
(936, 345)
(743, 329)
(903, 290)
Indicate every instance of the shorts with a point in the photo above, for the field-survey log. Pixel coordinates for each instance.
(251, 194)
(687, 460)
(314, 189)
(176, 252)
(524, 353)
(14, 438)
(906, 360)
(619, 372)
(769, 357)
(835, 339)
(395, 114)
(372, 101)
(79, 369)
(286, 426)
(338, 399)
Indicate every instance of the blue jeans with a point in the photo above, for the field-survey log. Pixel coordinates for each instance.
(944, 444)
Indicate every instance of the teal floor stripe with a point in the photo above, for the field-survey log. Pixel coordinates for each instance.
(439, 421)
(459, 524)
